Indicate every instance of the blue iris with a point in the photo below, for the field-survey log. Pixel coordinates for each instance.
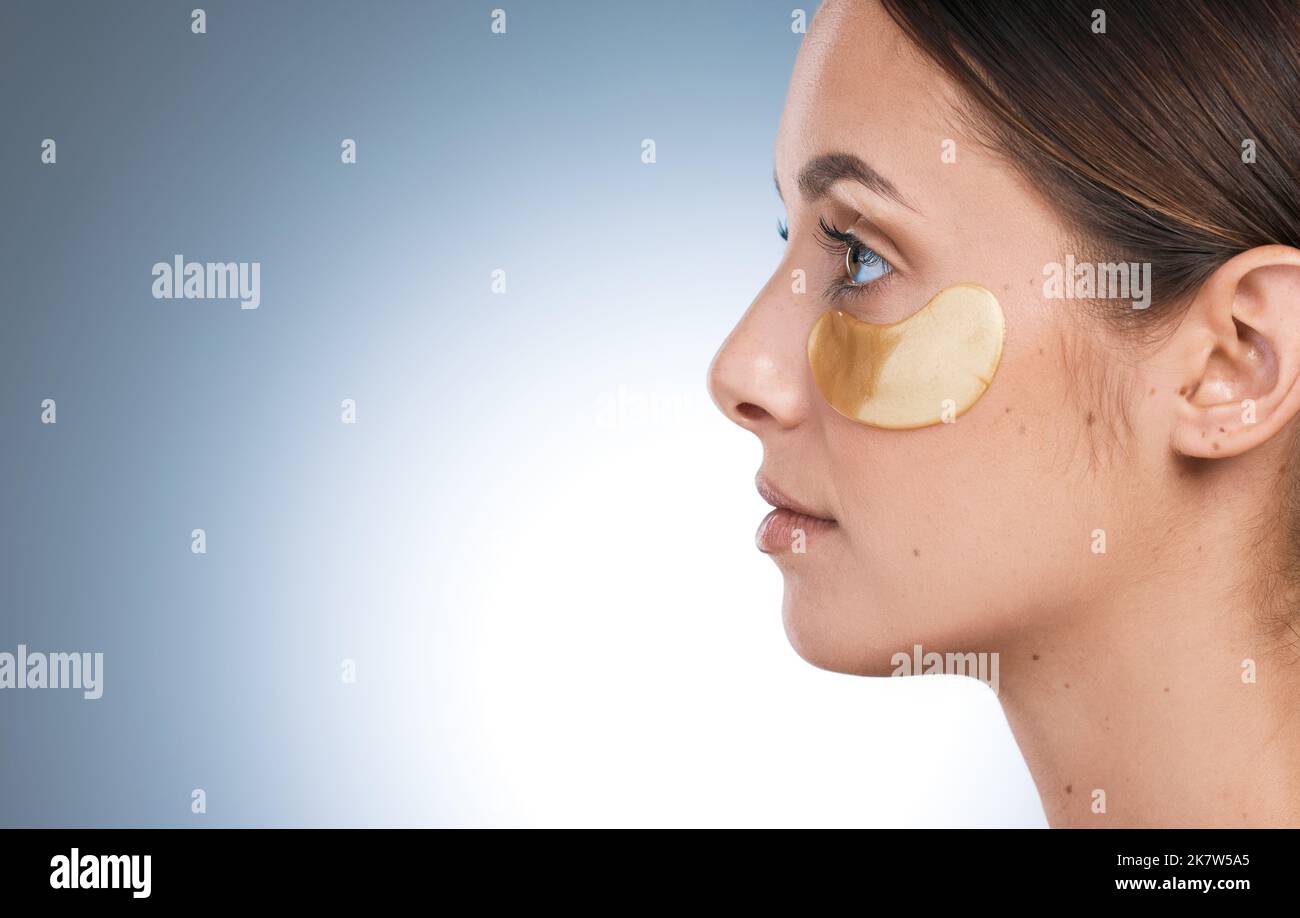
(864, 264)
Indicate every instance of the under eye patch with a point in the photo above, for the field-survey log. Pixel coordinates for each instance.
(928, 368)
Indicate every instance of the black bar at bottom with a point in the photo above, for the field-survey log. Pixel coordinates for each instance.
(641, 868)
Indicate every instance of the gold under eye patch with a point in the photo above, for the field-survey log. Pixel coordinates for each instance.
(932, 365)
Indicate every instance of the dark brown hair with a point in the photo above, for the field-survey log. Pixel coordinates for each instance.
(1137, 134)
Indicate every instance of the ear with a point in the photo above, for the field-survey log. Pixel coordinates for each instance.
(1237, 355)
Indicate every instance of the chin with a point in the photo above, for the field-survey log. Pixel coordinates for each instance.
(833, 634)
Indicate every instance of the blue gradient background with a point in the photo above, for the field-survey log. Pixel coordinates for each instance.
(536, 542)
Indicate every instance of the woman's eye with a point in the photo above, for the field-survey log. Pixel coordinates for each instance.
(864, 265)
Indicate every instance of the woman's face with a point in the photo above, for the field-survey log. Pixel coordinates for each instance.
(956, 536)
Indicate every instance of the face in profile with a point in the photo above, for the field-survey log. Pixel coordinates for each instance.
(987, 533)
(947, 535)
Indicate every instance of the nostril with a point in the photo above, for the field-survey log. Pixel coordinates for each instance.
(750, 411)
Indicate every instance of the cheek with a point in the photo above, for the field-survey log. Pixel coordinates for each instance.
(996, 493)
(913, 503)
(976, 498)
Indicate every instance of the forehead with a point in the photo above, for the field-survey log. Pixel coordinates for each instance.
(860, 86)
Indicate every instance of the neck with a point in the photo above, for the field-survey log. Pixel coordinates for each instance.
(1169, 703)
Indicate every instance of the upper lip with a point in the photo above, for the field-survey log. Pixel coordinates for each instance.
(778, 498)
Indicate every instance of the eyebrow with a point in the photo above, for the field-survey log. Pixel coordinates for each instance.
(820, 173)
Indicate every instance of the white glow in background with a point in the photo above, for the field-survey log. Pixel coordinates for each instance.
(556, 611)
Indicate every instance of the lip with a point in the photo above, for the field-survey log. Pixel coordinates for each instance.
(779, 529)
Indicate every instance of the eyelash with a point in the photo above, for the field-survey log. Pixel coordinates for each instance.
(839, 243)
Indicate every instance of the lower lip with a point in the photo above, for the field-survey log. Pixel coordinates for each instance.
(780, 528)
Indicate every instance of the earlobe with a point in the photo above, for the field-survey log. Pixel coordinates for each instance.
(1239, 356)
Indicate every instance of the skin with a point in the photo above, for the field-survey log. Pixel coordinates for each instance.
(1119, 672)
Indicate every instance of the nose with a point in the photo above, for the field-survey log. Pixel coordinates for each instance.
(760, 378)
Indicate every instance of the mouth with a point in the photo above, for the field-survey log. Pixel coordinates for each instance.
(786, 527)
